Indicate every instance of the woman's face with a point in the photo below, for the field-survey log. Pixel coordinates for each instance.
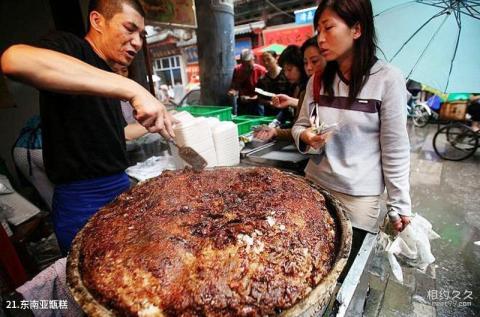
(313, 61)
(335, 37)
(292, 73)
(269, 61)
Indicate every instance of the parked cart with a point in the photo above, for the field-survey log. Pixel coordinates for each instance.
(456, 140)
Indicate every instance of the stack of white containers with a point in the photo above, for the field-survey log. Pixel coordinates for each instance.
(195, 133)
(215, 141)
(225, 138)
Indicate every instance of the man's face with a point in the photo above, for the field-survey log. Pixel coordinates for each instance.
(122, 36)
(269, 61)
(248, 64)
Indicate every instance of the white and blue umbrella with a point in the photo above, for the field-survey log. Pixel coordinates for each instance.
(435, 42)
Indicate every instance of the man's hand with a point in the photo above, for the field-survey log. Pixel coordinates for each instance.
(152, 114)
(314, 140)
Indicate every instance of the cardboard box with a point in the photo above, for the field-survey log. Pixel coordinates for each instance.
(454, 110)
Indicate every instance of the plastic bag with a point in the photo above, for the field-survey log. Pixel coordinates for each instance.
(413, 243)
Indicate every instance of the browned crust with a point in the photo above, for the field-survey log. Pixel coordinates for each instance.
(311, 302)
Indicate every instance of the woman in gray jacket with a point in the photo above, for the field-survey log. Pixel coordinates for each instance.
(369, 149)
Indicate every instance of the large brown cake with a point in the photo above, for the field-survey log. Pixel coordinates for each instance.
(222, 242)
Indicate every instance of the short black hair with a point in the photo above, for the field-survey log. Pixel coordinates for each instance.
(108, 8)
(292, 55)
(273, 53)
(309, 43)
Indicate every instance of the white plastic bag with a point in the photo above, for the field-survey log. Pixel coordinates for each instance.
(413, 243)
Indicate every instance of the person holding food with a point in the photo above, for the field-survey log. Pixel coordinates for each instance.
(245, 77)
(291, 61)
(274, 81)
(313, 63)
(363, 99)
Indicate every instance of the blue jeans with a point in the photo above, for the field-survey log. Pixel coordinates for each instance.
(74, 203)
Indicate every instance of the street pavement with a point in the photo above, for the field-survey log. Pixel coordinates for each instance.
(448, 195)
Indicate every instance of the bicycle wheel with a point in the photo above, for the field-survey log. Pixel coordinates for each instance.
(421, 116)
(455, 142)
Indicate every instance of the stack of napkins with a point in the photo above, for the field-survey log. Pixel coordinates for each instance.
(152, 167)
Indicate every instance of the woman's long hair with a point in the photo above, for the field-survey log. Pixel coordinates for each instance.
(364, 49)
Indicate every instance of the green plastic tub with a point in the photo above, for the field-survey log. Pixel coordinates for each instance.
(259, 119)
(245, 125)
(222, 113)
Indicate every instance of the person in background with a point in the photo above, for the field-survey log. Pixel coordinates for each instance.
(473, 109)
(133, 130)
(415, 89)
(165, 93)
(313, 63)
(28, 157)
(82, 123)
(291, 61)
(273, 81)
(370, 148)
(244, 80)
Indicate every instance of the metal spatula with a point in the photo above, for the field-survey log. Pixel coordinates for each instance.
(190, 156)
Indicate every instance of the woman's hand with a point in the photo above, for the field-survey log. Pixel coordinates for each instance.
(405, 221)
(282, 101)
(314, 140)
(265, 134)
(248, 98)
(232, 92)
(401, 223)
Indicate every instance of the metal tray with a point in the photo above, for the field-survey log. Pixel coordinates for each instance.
(279, 154)
(254, 146)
